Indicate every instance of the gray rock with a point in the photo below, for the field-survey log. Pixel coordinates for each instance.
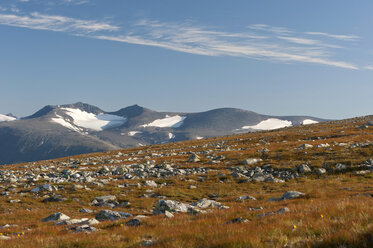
(71, 221)
(105, 201)
(287, 196)
(283, 210)
(85, 210)
(54, 198)
(305, 146)
(44, 187)
(303, 168)
(255, 208)
(151, 183)
(91, 221)
(84, 228)
(111, 215)
(280, 211)
(169, 205)
(320, 171)
(56, 217)
(207, 203)
(194, 158)
(134, 222)
(340, 167)
(292, 195)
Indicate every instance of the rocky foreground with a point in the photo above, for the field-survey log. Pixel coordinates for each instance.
(307, 186)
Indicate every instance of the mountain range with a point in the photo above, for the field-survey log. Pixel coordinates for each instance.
(65, 130)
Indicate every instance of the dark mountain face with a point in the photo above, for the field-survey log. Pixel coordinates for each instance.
(64, 130)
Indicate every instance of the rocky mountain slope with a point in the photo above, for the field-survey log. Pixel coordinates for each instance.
(64, 130)
(303, 186)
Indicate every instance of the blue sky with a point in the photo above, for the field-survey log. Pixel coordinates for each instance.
(288, 57)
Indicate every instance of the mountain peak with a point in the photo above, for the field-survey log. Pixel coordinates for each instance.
(131, 111)
(84, 107)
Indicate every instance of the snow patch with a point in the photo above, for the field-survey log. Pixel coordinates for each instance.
(64, 123)
(171, 135)
(270, 124)
(133, 133)
(94, 122)
(168, 121)
(199, 138)
(7, 118)
(309, 121)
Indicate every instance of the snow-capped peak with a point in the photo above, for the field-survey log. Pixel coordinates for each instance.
(84, 120)
(7, 118)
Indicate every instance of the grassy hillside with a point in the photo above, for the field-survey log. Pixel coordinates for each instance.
(335, 209)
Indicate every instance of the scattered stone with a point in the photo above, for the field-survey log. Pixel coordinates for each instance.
(207, 203)
(280, 211)
(305, 146)
(255, 208)
(288, 196)
(238, 220)
(55, 198)
(105, 201)
(44, 187)
(251, 161)
(85, 210)
(245, 197)
(151, 183)
(91, 221)
(137, 221)
(84, 228)
(168, 214)
(303, 168)
(362, 172)
(6, 226)
(320, 171)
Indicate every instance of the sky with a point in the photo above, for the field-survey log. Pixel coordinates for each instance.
(288, 57)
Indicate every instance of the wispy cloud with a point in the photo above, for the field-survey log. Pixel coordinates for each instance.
(55, 23)
(368, 67)
(197, 40)
(258, 41)
(335, 36)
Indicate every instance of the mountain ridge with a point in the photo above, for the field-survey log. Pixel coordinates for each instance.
(71, 129)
